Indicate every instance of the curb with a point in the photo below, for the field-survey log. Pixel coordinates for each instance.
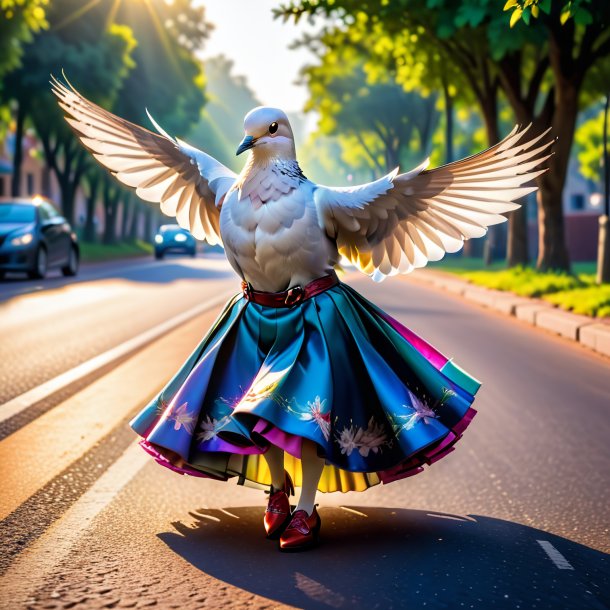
(590, 332)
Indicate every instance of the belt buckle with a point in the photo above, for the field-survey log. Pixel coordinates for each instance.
(294, 295)
(246, 289)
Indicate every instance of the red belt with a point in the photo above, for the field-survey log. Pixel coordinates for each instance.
(292, 296)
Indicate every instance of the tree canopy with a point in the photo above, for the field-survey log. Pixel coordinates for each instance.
(545, 70)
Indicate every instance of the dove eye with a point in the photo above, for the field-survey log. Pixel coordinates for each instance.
(273, 127)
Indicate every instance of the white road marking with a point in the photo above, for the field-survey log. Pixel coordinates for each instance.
(27, 399)
(210, 517)
(452, 517)
(30, 570)
(351, 510)
(555, 556)
(226, 512)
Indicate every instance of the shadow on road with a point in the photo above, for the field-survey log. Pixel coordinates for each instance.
(394, 558)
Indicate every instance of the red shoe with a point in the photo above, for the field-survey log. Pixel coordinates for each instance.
(277, 515)
(302, 531)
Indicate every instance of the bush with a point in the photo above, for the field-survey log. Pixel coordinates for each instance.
(526, 281)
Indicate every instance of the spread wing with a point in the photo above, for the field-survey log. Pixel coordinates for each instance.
(188, 183)
(402, 221)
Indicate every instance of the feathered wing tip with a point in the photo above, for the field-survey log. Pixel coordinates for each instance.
(427, 213)
(186, 184)
(159, 128)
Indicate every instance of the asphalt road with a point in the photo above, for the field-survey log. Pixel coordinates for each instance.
(50, 326)
(516, 517)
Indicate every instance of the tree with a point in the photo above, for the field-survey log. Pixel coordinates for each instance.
(220, 128)
(409, 48)
(381, 122)
(94, 55)
(542, 69)
(589, 146)
(19, 21)
(167, 80)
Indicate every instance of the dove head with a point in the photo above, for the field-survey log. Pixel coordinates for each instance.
(268, 134)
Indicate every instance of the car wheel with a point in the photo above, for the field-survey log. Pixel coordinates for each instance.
(71, 268)
(193, 253)
(158, 255)
(40, 266)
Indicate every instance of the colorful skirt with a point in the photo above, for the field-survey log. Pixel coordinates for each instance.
(377, 400)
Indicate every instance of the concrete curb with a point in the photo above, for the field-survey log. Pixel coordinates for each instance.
(590, 332)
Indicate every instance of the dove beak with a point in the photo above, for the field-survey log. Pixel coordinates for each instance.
(246, 144)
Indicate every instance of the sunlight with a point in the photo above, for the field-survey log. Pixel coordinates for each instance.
(76, 14)
(162, 34)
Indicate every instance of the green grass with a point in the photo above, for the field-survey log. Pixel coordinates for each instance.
(94, 253)
(591, 301)
(575, 292)
(525, 281)
(464, 264)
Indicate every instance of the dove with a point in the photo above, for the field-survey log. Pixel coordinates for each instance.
(280, 229)
(300, 364)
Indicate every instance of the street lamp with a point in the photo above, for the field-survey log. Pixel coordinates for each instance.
(603, 249)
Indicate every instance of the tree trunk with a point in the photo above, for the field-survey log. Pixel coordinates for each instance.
(552, 248)
(449, 154)
(68, 197)
(516, 240)
(150, 223)
(135, 221)
(111, 205)
(127, 205)
(46, 181)
(89, 233)
(489, 110)
(18, 153)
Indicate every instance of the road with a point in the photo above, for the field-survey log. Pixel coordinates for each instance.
(516, 517)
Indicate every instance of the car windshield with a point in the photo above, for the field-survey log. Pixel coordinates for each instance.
(17, 212)
(171, 228)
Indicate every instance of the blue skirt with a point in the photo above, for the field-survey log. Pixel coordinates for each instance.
(378, 401)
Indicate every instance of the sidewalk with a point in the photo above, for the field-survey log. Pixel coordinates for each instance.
(587, 331)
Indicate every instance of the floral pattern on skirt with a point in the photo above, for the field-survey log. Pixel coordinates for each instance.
(378, 401)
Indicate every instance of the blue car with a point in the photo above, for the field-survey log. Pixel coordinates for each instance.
(35, 237)
(173, 238)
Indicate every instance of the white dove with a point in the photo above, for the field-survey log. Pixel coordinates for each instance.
(284, 234)
(280, 229)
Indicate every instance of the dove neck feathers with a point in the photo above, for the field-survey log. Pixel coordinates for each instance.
(267, 178)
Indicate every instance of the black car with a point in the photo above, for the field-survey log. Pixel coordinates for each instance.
(35, 237)
(173, 238)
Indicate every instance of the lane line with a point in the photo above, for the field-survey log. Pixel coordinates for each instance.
(555, 556)
(31, 569)
(63, 434)
(351, 510)
(451, 517)
(27, 399)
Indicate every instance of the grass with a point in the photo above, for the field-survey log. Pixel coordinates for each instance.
(575, 292)
(94, 252)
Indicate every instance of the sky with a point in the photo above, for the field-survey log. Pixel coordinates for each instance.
(246, 32)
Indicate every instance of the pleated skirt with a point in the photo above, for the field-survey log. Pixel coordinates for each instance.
(379, 402)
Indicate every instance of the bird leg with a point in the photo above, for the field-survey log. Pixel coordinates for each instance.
(312, 466)
(274, 456)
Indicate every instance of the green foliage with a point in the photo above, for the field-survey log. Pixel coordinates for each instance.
(591, 300)
(94, 252)
(525, 281)
(19, 21)
(168, 79)
(526, 10)
(577, 293)
(589, 146)
(378, 124)
(220, 127)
